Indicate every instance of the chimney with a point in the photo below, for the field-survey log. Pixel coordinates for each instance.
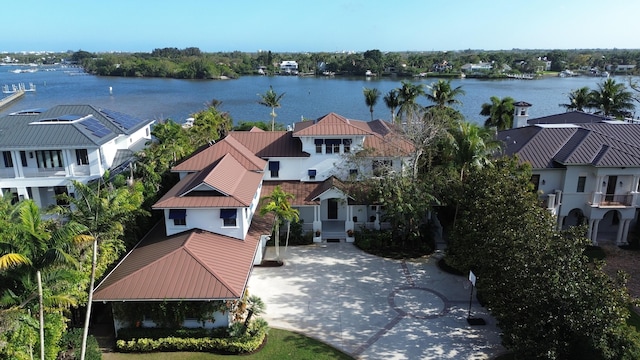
(521, 114)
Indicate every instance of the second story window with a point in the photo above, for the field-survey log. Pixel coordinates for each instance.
(582, 180)
(8, 161)
(535, 180)
(23, 158)
(229, 217)
(179, 216)
(274, 168)
(82, 157)
(347, 145)
(333, 146)
(49, 159)
(319, 143)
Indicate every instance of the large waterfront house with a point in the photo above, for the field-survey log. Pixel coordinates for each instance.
(211, 236)
(44, 149)
(586, 168)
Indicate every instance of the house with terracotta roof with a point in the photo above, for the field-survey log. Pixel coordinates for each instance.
(211, 237)
(43, 150)
(587, 169)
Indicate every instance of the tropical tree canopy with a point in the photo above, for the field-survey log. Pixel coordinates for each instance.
(612, 99)
(500, 113)
(409, 108)
(441, 94)
(579, 99)
(392, 101)
(371, 97)
(271, 99)
(278, 203)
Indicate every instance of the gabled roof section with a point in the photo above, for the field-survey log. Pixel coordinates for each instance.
(602, 144)
(385, 139)
(212, 153)
(233, 185)
(63, 126)
(331, 183)
(193, 265)
(570, 117)
(331, 124)
(267, 144)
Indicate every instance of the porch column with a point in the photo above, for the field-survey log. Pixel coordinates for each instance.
(621, 227)
(590, 228)
(560, 220)
(625, 232)
(594, 234)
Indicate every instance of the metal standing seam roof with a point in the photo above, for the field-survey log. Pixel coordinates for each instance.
(331, 124)
(226, 176)
(267, 144)
(73, 128)
(212, 153)
(193, 265)
(602, 144)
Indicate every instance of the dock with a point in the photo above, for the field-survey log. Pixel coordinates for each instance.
(11, 98)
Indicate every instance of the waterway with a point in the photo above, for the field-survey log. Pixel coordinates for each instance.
(305, 97)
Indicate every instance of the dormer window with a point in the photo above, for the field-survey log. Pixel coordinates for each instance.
(312, 174)
(229, 217)
(179, 216)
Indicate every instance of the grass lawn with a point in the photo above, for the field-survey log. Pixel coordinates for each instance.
(281, 344)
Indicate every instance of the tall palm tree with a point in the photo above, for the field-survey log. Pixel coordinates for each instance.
(278, 203)
(392, 100)
(500, 112)
(371, 97)
(105, 211)
(442, 95)
(271, 99)
(579, 99)
(612, 99)
(407, 95)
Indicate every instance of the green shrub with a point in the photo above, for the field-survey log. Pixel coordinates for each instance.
(249, 342)
(71, 344)
(158, 333)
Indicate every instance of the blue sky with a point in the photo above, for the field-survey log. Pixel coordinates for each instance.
(328, 25)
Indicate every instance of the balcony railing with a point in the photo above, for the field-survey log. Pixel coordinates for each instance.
(7, 173)
(612, 200)
(32, 172)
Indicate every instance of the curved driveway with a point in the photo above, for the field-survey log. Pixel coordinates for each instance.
(374, 308)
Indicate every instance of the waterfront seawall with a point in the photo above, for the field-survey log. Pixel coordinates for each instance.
(11, 98)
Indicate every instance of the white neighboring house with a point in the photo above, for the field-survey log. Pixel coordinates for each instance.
(44, 149)
(289, 67)
(210, 238)
(586, 168)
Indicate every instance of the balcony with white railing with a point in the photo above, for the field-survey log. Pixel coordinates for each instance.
(49, 172)
(7, 173)
(601, 200)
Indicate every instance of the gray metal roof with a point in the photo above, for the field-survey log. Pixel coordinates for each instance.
(64, 126)
(596, 144)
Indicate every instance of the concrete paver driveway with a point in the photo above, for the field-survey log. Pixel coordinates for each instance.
(374, 308)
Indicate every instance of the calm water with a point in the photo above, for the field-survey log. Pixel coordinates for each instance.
(306, 97)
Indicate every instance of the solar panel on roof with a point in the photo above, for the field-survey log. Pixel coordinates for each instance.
(125, 121)
(96, 127)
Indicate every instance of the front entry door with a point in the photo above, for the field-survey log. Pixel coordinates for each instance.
(332, 209)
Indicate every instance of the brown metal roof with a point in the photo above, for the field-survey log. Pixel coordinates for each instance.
(301, 191)
(235, 184)
(193, 265)
(210, 154)
(267, 144)
(331, 124)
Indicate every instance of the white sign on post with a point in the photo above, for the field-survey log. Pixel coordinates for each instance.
(472, 278)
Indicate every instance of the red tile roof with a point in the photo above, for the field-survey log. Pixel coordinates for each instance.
(193, 265)
(227, 176)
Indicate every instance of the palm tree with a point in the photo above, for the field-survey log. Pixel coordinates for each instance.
(271, 99)
(371, 97)
(442, 95)
(500, 112)
(612, 99)
(471, 146)
(278, 204)
(407, 95)
(392, 101)
(105, 211)
(579, 99)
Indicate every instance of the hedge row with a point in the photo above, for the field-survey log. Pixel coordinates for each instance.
(232, 345)
(158, 333)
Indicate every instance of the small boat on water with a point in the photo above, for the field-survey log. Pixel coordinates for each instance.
(368, 73)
